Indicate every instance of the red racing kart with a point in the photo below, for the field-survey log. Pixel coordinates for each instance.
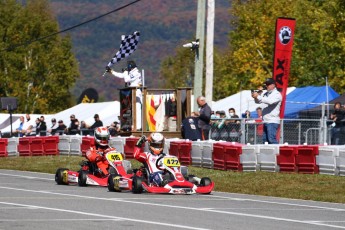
(89, 173)
(175, 179)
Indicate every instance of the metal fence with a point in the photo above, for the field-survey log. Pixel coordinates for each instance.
(292, 131)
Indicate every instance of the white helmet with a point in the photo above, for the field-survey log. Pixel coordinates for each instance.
(156, 143)
(102, 136)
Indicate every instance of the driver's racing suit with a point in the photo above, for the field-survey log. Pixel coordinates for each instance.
(97, 155)
(149, 160)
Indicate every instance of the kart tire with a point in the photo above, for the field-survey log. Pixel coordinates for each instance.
(111, 170)
(59, 176)
(82, 178)
(112, 184)
(205, 181)
(137, 187)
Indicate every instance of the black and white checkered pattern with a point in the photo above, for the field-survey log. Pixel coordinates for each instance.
(128, 46)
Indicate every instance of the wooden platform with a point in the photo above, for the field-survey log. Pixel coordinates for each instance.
(166, 134)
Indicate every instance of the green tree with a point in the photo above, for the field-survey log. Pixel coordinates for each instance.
(40, 73)
(318, 50)
(178, 71)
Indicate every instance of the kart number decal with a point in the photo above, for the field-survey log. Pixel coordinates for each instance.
(171, 162)
(114, 157)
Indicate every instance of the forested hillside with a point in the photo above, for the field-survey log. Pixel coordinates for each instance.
(164, 26)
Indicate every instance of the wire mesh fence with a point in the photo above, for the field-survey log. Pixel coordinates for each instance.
(292, 131)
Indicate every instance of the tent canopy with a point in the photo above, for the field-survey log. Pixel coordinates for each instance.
(107, 111)
(316, 112)
(297, 99)
(240, 101)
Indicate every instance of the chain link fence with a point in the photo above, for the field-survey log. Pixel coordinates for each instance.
(292, 131)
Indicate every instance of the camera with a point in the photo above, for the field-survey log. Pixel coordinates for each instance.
(256, 90)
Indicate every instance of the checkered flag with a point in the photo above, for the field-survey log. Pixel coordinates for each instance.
(128, 46)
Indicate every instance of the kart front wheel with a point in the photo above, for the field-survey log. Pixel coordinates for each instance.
(205, 181)
(82, 178)
(136, 185)
(59, 176)
(113, 183)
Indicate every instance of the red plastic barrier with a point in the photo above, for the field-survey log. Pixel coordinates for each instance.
(174, 149)
(129, 147)
(50, 145)
(287, 158)
(86, 144)
(232, 157)
(36, 146)
(24, 147)
(3, 147)
(218, 156)
(182, 150)
(306, 159)
(226, 156)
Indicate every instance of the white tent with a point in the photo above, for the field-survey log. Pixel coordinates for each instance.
(108, 112)
(241, 102)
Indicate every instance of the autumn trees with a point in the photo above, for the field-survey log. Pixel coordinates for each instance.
(39, 72)
(318, 51)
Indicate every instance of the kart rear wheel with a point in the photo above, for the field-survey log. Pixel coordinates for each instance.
(136, 185)
(59, 176)
(113, 183)
(205, 181)
(82, 177)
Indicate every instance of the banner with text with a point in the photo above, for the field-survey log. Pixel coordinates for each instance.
(285, 29)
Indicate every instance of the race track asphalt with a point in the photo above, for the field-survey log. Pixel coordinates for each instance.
(34, 201)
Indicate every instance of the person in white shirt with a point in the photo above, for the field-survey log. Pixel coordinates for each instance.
(271, 113)
(132, 78)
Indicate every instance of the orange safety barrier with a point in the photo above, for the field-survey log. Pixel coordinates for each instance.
(306, 159)
(24, 146)
(50, 145)
(3, 147)
(129, 147)
(182, 150)
(287, 158)
(86, 144)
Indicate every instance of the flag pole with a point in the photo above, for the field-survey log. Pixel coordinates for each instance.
(142, 101)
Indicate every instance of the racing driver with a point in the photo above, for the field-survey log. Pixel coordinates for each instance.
(149, 159)
(97, 152)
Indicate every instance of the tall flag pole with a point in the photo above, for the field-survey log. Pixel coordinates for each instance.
(285, 30)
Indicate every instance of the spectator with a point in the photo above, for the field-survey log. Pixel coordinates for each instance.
(98, 122)
(114, 128)
(233, 116)
(20, 130)
(272, 98)
(41, 127)
(29, 126)
(61, 129)
(74, 126)
(204, 117)
(84, 129)
(337, 117)
(53, 126)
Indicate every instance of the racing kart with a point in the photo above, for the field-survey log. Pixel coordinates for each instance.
(89, 173)
(175, 179)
